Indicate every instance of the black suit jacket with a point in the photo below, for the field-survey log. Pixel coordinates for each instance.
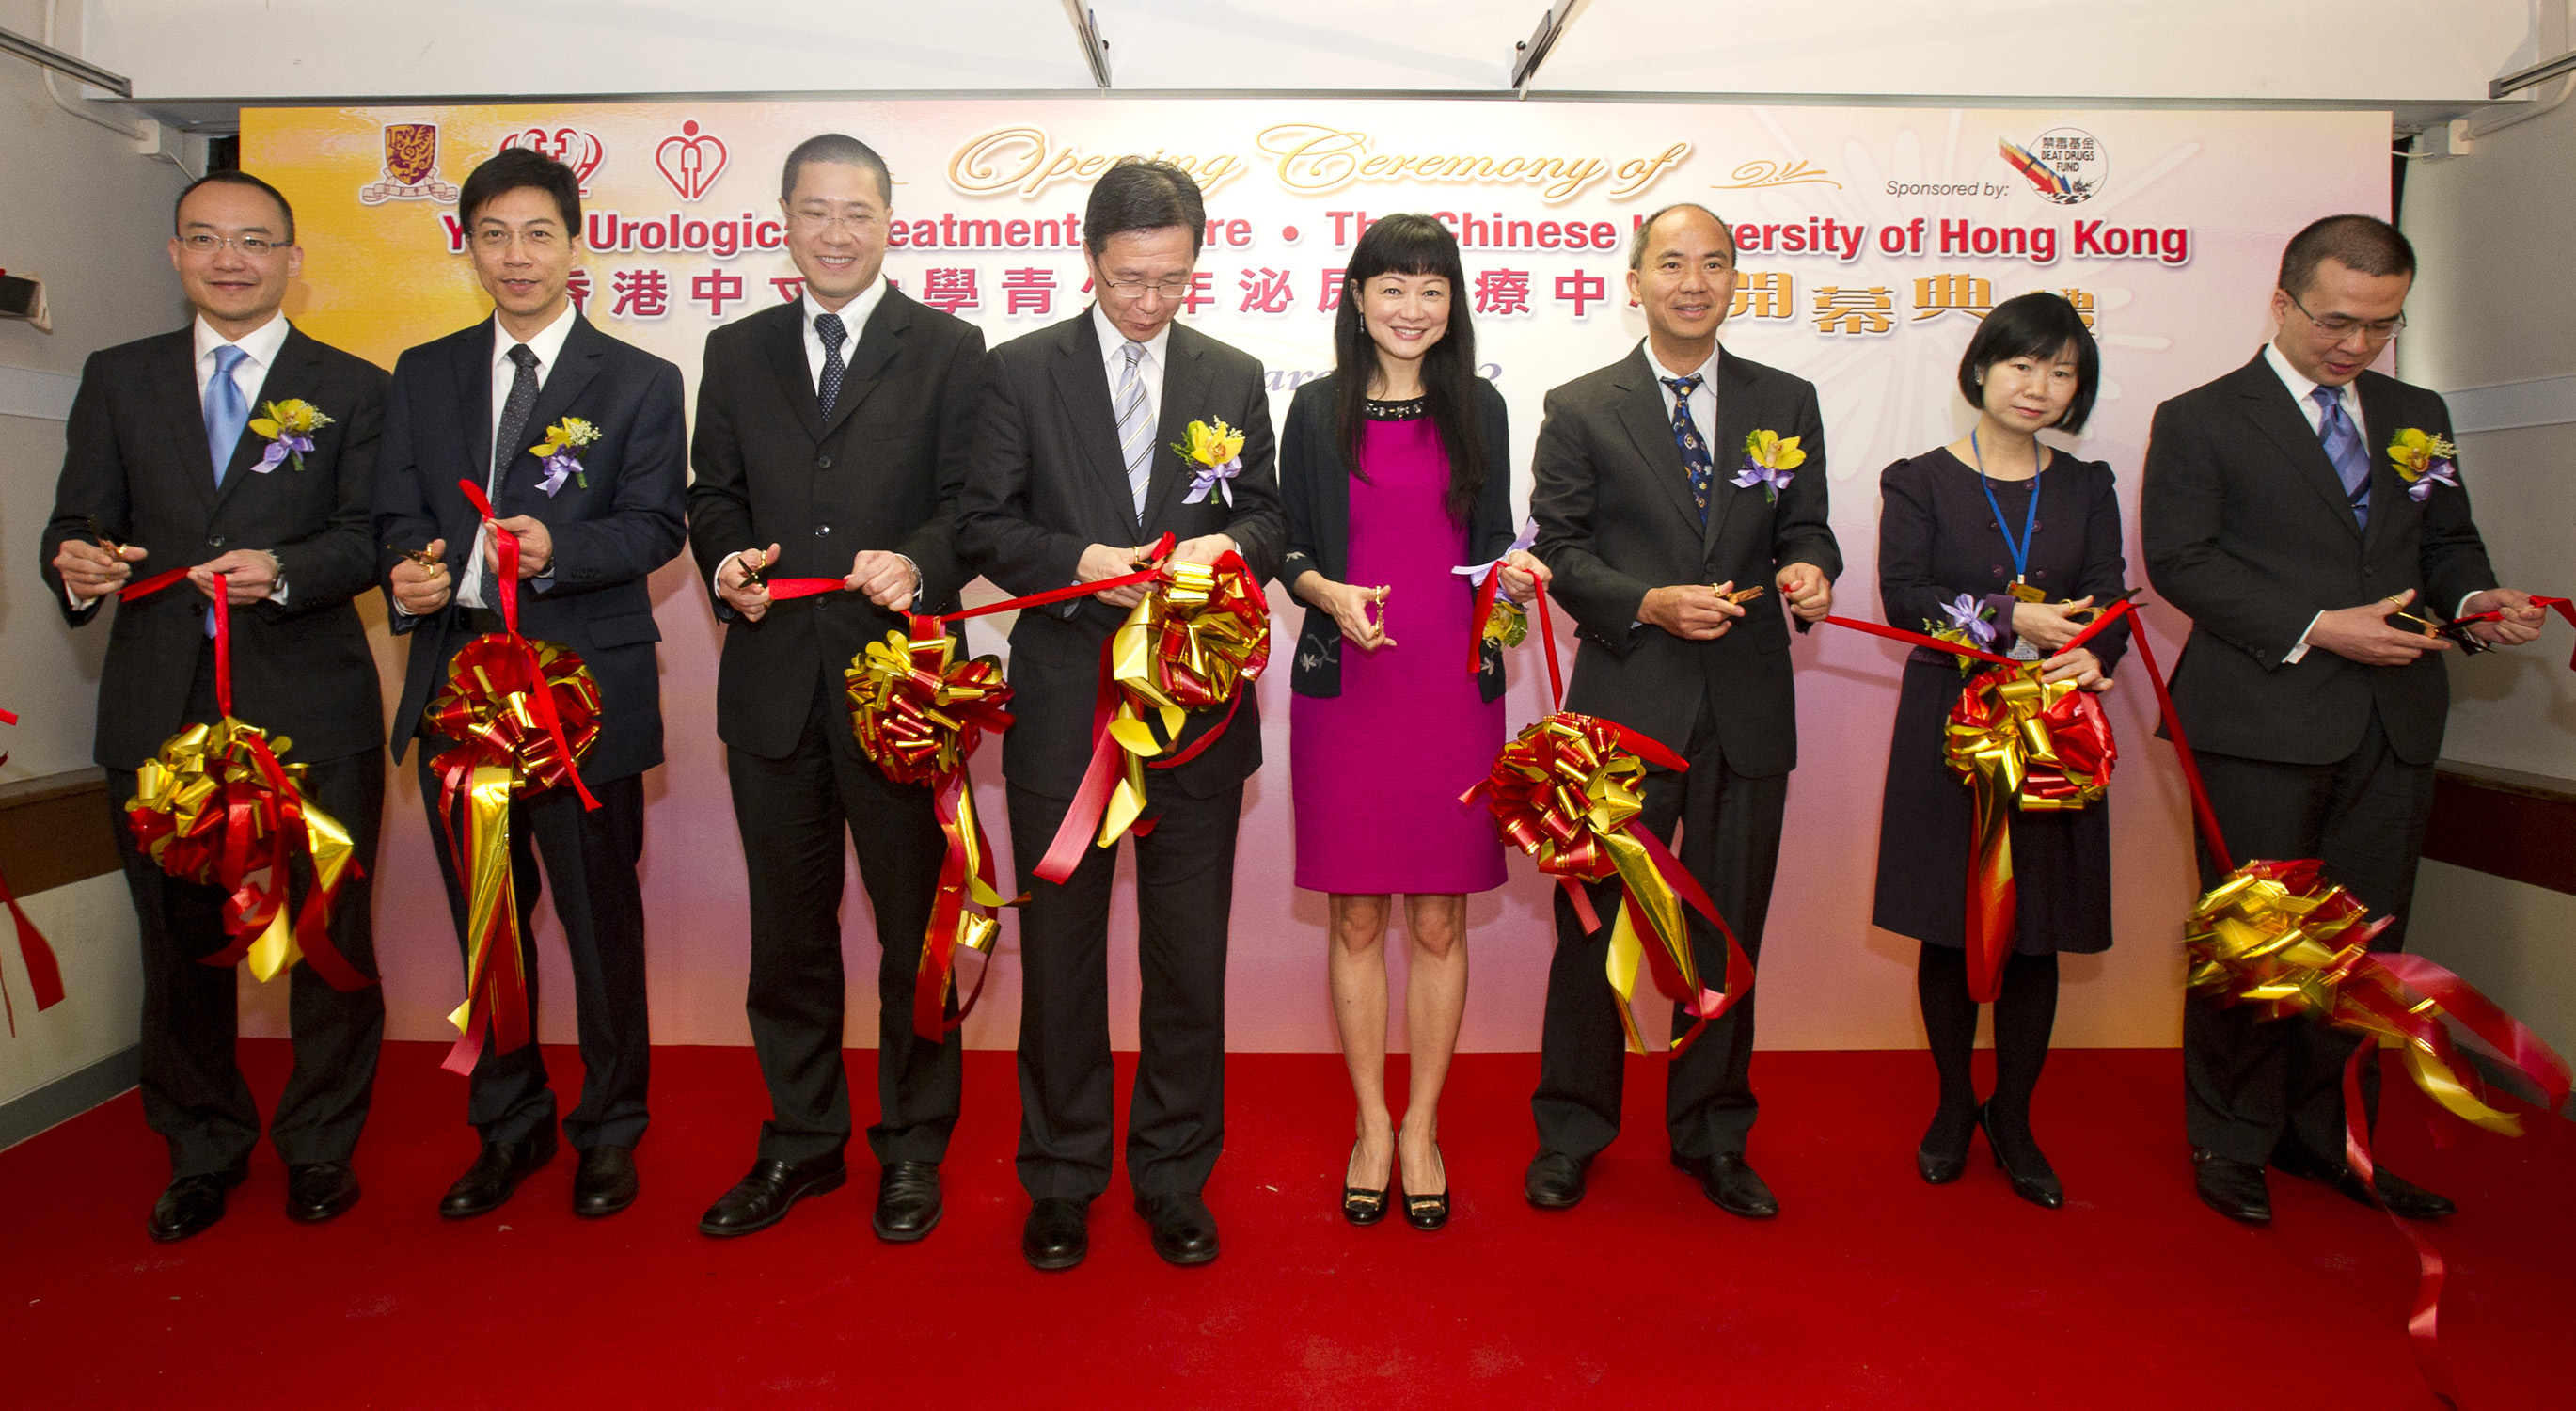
(135, 459)
(2246, 527)
(1315, 488)
(1615, 519)
(608, 537)
(883, 474)
(1048, 481)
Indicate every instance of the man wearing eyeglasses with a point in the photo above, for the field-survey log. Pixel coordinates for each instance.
(164, 467)
(1074, 478)
(833, 434)
(475, 406)
(2275, 515)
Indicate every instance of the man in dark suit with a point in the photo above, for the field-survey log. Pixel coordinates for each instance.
(469, 407)
(1649, 522)
(2273, 514)
(160, 468)
(1074, 478)
(833, 433)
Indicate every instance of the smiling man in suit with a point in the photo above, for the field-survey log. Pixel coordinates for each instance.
(470, 406)
(1648, 519)
(161, 463)
(833, 434)
(1074, 479)
(2272, 512)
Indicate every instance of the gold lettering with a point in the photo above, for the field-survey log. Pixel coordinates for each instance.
(1639, 174)
(998, 160)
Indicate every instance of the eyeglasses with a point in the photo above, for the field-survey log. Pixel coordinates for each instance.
(2338, 327)
(493, 237)
(255, 246)
(1173, 288)
(851, 221)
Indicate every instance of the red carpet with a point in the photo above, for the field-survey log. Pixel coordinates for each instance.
(1871, 1291)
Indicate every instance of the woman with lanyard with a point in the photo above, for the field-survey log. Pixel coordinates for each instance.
(1965, 548)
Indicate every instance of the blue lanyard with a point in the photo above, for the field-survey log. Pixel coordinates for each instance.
(2029, 521)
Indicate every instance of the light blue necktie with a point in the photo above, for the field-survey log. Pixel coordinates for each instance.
(227, 411)
(1135, 428)
(2343, 447)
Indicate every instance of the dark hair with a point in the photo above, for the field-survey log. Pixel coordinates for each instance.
(235, 178)
(838, 148)
(2035, 325)
(1136, 194)
(1413, 244)
(1637, 244)
(2365, 244)
(514, 168)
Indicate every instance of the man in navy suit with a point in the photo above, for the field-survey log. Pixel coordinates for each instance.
(469, 407)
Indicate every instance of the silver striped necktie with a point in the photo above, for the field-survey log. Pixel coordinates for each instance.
(1135, 426)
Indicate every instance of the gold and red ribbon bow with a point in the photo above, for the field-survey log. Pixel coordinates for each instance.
(1198, 640)
(523, 714)
(44, 973)
(918, 713)
(1568, 792)
(217, 807)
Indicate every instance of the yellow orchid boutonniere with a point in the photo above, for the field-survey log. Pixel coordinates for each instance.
(2423, 461)
(289, 427)
(562, 439)
(1215, 456)
(1768, 459)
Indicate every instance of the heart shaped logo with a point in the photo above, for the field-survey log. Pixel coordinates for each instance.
(691, 161)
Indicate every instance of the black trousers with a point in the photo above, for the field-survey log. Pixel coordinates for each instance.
(2252, 1085)
(792, 813)
(590, 858)
(1184, 898)
(1730, 841)
(193, 1092)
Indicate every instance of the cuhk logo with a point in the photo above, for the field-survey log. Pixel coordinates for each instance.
(691, 162)
(411, 167)
(579, 150)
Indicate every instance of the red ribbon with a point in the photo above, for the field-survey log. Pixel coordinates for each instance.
(2564, 609)
(44, 973)
(146, 587)
(542, 702)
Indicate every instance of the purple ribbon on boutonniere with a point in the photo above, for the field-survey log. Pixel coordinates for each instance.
(559, 467)
(290, 444)
(1205, 478)
(2438, 473)
(1969, 616)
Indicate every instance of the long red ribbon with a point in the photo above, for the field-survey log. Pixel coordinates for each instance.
(146, 587)
(2562, 606)
(44, 973)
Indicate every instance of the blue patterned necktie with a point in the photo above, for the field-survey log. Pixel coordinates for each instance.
(1695, 459)
(226, 411)
(1135, 427)
(2343, 447)
(828, 328)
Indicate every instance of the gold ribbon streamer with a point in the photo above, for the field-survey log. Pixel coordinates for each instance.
(2020, 743)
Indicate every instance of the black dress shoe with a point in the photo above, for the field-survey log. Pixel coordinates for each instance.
(1555, 1181)
(2403, 1196)
(1058, 1233)
(1184, 1228)
(1429, 1212)
(1361, 1205)
(496, 1172)
(1943, 1156)
(763, 1198)
(318, 1190)
(193, 1202)
(2021, 1159)
(2232, 1188)
(1730, 1181)
(907, 1201)
(605, 1184)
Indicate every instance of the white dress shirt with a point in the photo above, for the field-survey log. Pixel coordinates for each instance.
(1703, 399)
(1113, 345)
(2303, 391)
(548, 346)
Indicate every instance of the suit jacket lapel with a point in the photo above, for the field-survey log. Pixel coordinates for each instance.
(1082, 385)
(174, 385)
(576, 365)
(2270, 405)
(878, 342)
(291, 376)
(2378, 428)
(1185, 395)
(1737, 417)
(474, 397)
(784, 341)
(1650, 427)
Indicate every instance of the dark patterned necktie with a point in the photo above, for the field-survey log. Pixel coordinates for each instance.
(2343, 447)
(828, 328)
(1695, 459)
(521, 404)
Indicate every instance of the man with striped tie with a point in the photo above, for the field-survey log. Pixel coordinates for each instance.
(832, 436)
(2274, 514)
(1075, 477)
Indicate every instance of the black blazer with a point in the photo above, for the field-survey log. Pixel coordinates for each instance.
(1048, 482)
(884, 474)
(2246, 527)
(1615, 519)
(1937, 539)
(607, 537)
(1315, 489)
(135, 458)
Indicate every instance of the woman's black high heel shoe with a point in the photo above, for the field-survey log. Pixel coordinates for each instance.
(1428, 1212)
(1943, 1163)
(2032, 1178)
(1360, 1205)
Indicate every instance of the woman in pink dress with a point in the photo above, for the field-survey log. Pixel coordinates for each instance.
(1394, 471)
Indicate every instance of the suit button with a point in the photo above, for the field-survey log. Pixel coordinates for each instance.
(822, 462)
(822, 531)
(214, 541)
